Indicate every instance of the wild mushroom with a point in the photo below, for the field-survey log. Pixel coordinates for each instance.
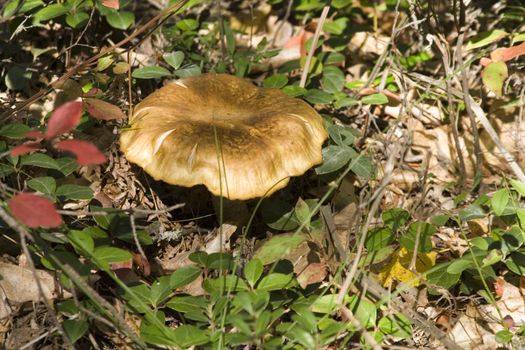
(238, 140)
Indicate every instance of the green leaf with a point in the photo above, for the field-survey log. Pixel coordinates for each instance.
(76, 19)
(504, 336)
(120, 19)
(277, 81)
(277, 247)
(188, 336)
(425, 231)
(440, 277)
(81, 241)
(220, 261)
(18, 77)
(335, 157)
(494, 75)
(199, 257)
(334, 58)
(187, 24)
(343, 136)
(294, 90)
(262, 322)
(66, 165)
(395, 218)
(75, 329)
(75, 192)
(6, 170)
(14, 130)
(152, 72)
(107, 255)
(518, 186)
(344, 101)
(375, 99)
(49, 12)
(324, 304)
(303, 212)
(339, 4)
(301, 336)
(485, 38)
(186, 303)
(279, 215)
(174, 59)
(275, 281)
(10, 8)
(316, 96)
(157, 334)
(103, 63)
(226, 283)
(336, 27)
(364, 311)
(188, 71)
(253, 271)
(39, 160)
(516, 263)
(379, 238)
(230, 38)
(458, 266)
(471, 212)
(363, 166)
(45, 185)
(500, 200)
(333, 79)
(397, 325)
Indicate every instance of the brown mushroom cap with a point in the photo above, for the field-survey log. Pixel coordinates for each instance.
(238, 140)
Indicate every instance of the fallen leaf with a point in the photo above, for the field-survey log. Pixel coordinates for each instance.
(34, 211)
(64, 119)
(397, 270)
(19, 284)
(86, 152)
(313, 273)
(103, 110)
(112, 4)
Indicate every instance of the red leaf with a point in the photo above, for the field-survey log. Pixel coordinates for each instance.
(35, 135)
(24, 149)
(103, 110)
(86, 152)
(122, 265)
(94, 92)
(34, 211)
(485, 61)
(64, 119)
(142, 263)
(112, 4)
(513, 52)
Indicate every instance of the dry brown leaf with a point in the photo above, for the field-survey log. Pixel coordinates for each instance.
(313, 273)
(20, 286)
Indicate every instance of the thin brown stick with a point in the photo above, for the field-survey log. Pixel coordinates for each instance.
(465, 87)
(442, 46)
(311, 52)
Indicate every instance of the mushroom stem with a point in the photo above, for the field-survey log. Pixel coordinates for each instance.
(232, 212)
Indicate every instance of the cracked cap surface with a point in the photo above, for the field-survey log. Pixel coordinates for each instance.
(238, 140)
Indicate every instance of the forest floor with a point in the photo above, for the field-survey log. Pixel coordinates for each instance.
(372, 198)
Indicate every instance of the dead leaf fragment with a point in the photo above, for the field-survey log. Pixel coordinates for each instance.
(103, 110)
(19, 284)
(398, 269)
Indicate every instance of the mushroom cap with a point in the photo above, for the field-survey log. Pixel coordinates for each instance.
(238, 140)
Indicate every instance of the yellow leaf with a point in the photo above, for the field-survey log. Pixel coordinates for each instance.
(397, 270)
